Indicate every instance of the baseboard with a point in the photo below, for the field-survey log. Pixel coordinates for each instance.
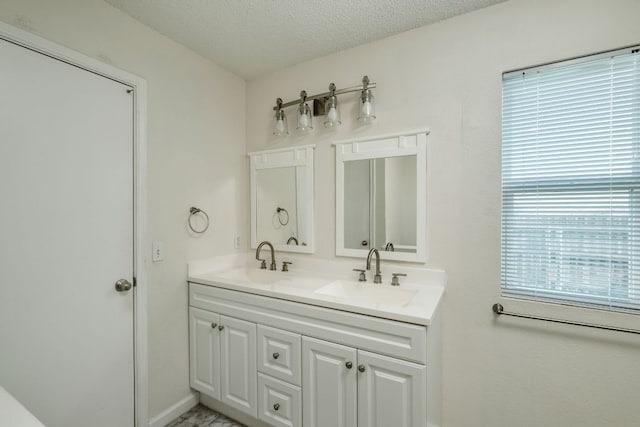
(174, 411)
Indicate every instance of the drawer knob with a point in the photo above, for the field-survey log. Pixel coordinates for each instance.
(276, 406)
(361, 368)
(349, 365)
(214, 325)
(220, 327)
(276, 355)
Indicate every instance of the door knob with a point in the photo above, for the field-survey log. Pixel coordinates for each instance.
(349, 365)
(221, 327)
(276, 406)
(276, 355)
(123, 285)
(361, 368)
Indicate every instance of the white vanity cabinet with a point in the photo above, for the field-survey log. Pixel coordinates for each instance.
(238, 380)
(391, 392)
(344, 387)
(330, 384)
(223, 359)
(204, 352)
(279, 377)
(290, 364)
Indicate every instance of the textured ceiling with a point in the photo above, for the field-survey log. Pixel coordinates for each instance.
(255, 37)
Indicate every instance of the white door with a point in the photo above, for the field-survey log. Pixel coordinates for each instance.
(329, 389)
(391, 392)
(238, 365)
(66, 237)
(204, 351)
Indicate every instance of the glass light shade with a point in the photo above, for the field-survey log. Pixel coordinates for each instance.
(332, 115)
(305, 122)
(281, 128)
(367, 107)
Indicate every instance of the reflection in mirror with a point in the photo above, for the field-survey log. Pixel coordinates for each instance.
(282, 198)
(381, 196)
(277, 217)
(380, 204)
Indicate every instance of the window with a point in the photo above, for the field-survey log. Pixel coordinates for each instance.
(571, 181)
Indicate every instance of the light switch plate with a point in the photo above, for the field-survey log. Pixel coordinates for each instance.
(157, 251)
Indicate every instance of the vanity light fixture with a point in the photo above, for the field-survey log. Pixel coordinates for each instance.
(325, 104)
(332, 113)
(305, 121)
(367, 111)
(281, 128)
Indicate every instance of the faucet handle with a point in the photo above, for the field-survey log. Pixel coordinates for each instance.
(394, 278)
(263, 264)
(285, 265)
(362, 277)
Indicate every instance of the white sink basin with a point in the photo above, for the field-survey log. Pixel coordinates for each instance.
(251, 275)
(368, 293)
(271, 280)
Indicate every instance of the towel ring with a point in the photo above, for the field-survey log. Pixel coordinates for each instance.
(193, 211)
(280, 220)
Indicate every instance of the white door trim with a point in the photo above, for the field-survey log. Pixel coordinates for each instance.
(38, 44)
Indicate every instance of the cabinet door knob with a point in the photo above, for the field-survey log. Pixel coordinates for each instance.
(349, 365)
(276, 406)
(214, 325)
(276, 355)
(361, 368)
(220, 327)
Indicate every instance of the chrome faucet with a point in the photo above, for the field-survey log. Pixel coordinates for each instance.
(273, 256)
(377, 278)
(292, 239)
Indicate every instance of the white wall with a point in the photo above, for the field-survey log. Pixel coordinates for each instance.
(448, 76)
(196, 157)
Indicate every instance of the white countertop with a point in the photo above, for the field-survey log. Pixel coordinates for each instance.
(13, 414)
(316, 282)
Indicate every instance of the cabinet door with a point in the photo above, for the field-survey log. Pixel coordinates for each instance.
(391, 392)
(329, 389)
(238, 387)
(204, 352)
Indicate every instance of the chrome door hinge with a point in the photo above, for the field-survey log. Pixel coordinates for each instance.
(135, 281)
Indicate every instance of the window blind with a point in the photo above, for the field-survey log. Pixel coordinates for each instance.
(571, 181)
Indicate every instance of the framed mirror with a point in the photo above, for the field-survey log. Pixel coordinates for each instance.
(381, 196)
(282, 198)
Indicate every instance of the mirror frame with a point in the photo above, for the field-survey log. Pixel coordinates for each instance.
(281, 158)
(375, 147)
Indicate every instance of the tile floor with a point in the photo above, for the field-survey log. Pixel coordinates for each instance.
(201, 416)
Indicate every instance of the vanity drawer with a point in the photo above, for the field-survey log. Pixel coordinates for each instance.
(279, 403)
(279, 354)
